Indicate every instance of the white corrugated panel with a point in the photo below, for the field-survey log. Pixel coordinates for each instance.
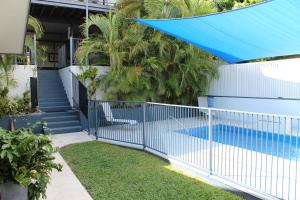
(270, 79)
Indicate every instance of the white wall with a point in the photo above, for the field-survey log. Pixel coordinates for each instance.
(262, 83)
(271, 79)
(272, 106)
(22, 74)
(66, 77)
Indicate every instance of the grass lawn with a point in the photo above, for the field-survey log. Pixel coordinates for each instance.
(113, 172)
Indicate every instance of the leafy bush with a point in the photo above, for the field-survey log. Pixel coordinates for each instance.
(14, 106)
(26, 159)
(148, 65)
(24, 103)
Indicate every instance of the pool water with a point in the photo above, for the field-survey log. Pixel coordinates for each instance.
(276, 144)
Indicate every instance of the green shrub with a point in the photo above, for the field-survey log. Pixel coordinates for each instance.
(24, 103)
(12, 106)
(26, 159)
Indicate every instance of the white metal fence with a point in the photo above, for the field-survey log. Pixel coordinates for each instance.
(255, 151)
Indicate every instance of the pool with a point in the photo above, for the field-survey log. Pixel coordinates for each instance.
(276, 144)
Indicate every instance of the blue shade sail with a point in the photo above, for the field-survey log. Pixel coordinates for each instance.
(268, 29)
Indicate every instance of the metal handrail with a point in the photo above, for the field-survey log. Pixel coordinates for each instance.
(226, 110)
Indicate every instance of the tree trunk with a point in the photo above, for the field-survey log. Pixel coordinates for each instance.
(11, 124)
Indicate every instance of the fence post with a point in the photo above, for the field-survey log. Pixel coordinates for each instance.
(210, 136)
(71, 51)
(96, 119)
(34, 93)
(88, 120)
(35, 50)
(144, 121)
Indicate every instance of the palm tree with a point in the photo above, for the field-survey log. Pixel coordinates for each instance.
(36, 25)
(147, 64)
(6, 69)
(106, 41)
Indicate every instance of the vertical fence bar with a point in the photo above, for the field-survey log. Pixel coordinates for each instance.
(71, 51)
(35, 50)
(210, 139)
(296, 164)
(88, 122)
(144, 123)
(96, 119)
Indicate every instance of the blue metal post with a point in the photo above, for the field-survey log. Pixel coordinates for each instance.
(96, 119)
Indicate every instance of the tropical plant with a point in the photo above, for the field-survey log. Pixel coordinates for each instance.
(12, 106)
(27, 159)
(36, 25)
(232, 4)
(37, 28)
(90, 77)
(146, 64)
(6, 69)
(107, 42)
(245, 3)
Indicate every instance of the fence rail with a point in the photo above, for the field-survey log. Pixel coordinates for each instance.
(256, 151)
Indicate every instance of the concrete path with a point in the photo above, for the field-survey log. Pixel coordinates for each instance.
(65, 185)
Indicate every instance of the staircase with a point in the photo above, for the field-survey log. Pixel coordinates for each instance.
(54, 103)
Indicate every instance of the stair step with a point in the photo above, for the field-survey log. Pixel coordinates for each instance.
(49, 80)
(44, 103)
(45, 94)
(61, 118)
(55, 108)
(42, 79)
(62, 124)
(50, 83)
(52, 99)
(59, 114)
(51, 88)
(47, 104)
(70, 129)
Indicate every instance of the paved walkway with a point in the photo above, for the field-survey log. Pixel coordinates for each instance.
(65, 185)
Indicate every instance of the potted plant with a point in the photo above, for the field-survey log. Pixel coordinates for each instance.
(26, 161)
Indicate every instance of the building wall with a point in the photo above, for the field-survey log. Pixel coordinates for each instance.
(272, 106)
(271, 79)
(52, 52)
(270, 87)
(22, 74)
(66, 77)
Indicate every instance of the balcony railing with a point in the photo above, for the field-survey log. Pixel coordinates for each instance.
(97, 5)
